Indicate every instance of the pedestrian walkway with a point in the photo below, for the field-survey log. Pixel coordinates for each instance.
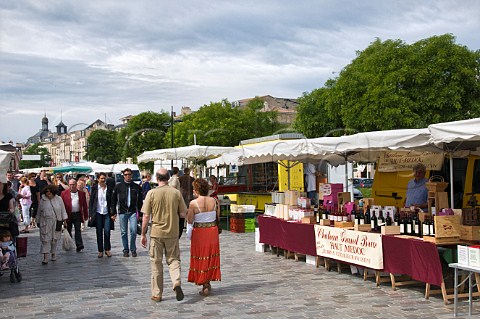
(254, 285)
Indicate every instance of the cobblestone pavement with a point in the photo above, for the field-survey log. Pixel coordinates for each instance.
(254, 285)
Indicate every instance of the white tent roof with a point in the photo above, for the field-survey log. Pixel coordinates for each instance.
(96, 167)
(192, 152)
(360, 147)
(5, 158)
(457, 131)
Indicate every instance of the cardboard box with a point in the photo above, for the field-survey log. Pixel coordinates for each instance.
(365, 227)
(343, 198)
(260, 247)
(390, 230)
(470, 233)
(447, 226)
(309, 220)
(325, 222)
(344, 224)
(474, 256)
(462, 255)
(311, 260)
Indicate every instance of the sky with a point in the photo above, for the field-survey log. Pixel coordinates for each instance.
(79, 61)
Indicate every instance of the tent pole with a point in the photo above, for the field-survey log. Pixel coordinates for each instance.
(288, 175)
(345, 187)
(452, 203)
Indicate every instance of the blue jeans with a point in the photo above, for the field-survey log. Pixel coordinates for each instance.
(103, 232)
(132, 229)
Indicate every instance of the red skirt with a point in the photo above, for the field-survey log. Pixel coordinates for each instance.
(204, 256)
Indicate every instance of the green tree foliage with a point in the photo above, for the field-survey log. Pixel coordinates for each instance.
(393, 85)
(315, 114)
(221, 124)
(36, 149)
(144, 132)
(102, 147)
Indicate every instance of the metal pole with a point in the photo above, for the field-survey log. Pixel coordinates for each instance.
(171, 126)
(452, 203)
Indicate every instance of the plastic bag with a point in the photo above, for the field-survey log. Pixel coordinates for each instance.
(189, 231)
(67, 241)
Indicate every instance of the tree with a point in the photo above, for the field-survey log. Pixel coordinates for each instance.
(393, 85)
(36, 149)
(103, 147)
(315, 117)
(144, 132)
(221, 124)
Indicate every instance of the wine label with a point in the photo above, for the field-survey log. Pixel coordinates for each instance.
(417, 229)
(426, 230)
(372, 224)
(324, 216)
(402, 229)
(362, 221)
(409, 228)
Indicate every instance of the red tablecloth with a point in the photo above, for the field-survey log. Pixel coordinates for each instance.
(295, 237)
(412, 257)
(418, 259)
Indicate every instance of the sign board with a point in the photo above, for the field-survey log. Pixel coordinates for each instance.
(354, 247)
(233, 168)
(394, 161)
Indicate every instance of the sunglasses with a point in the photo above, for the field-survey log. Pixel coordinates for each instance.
(127, 174)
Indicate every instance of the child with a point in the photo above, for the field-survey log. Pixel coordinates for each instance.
(7, 256)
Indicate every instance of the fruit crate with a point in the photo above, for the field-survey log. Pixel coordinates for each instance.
(471, 216)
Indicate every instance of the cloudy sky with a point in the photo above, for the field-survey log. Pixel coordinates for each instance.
(100, 59)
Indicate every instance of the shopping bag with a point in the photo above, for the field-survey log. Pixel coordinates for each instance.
(67, 241)
(22, 246)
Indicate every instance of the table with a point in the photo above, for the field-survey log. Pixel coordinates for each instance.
(470, 271)
(291, 236)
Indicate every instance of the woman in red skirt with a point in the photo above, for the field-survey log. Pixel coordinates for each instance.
(202, 229)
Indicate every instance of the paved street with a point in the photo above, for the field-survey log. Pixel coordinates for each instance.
(255, 285)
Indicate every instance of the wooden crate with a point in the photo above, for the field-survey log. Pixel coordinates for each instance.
(471, 216)
(325, 222)
(344, 224)
(447, 226)
(309, 220)
(444, 240)
(390, 230)
(471, 233)
(365, 227)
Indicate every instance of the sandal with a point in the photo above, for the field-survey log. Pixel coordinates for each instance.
(205, 290)
(100, 255)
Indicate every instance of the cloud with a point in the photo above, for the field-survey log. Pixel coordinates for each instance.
(90, 58)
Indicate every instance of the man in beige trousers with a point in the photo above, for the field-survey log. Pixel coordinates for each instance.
(164, 205)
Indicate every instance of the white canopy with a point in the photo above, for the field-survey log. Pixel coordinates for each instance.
(457, 138)
(5, 158)
(192, 152)
(457, 131)
(360, 147)
(96, 167)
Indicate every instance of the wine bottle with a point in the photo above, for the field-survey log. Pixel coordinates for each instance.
(353, 216)
(344, 216)
(432, 227)
(408, 225)
(374, 222)
(389, 219)
(361, 217)
(396, 217)
(415, 225)
(324, 214)
(381, 221)
(316, 214)
(401, 222)
(367, 216)
(426, 226)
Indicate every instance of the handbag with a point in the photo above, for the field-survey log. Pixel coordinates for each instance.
(92, 222)
(58, 225)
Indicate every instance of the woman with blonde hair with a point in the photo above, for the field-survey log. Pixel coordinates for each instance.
(59, 182)
(25, 196)
(202, 229)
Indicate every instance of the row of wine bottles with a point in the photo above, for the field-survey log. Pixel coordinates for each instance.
(409, 223)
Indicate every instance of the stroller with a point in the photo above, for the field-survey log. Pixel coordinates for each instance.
(9, 222)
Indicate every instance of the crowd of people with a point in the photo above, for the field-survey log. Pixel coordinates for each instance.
(56, 203)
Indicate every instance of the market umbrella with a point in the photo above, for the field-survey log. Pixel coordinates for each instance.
(71, 169)
(96, 167)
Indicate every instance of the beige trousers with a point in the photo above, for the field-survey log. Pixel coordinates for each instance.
(172, 253)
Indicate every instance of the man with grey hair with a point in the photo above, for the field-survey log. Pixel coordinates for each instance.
(417, 192)
(164, 205)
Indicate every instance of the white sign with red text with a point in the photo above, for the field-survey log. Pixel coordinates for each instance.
(354, 247)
